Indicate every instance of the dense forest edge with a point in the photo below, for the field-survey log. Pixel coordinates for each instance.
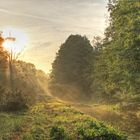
(90, 83)
(109, 69)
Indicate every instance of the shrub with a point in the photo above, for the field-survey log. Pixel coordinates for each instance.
(90, 130)
(27, 136)
(13, 100)
(38, 133)
(58, 133)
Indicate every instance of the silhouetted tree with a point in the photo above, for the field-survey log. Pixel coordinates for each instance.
(73, 63)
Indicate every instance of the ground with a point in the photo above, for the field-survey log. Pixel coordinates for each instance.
(54, 120)
(124, 119)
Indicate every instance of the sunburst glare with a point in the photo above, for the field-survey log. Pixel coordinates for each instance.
(15, 40)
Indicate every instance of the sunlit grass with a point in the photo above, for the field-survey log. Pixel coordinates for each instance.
(53, 120)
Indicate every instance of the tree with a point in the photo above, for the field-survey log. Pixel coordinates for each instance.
(30, 85)
(73, 63)
(121, 56)
(3, 62)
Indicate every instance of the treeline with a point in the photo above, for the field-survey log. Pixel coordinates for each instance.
(110, 68)
(28, 84)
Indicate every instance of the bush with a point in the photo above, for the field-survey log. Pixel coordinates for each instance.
(13, 100)
(90, 130)
(58, 133)
(27, 136)
(38, 133)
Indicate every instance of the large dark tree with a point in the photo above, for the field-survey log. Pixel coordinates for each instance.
(73, 63)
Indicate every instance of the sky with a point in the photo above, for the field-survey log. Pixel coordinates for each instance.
(48, 23)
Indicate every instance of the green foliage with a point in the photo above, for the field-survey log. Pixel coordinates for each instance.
(53, 120)
(21, 90)
(3, 54)
(28, 79)
(73, 63)
(29, 85)
(3, 62)
(91, 130)
(10, 123)
(58, 133)
(117, 68)
(38, 133)
(13, 100)
(125, 46)
(27, 136)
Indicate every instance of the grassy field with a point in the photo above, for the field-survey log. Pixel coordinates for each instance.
(54, 120)
(126, 120)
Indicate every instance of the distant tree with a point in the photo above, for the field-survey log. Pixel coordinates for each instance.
(73, 63)
(97, 43)
(29, 80)
(99, 70)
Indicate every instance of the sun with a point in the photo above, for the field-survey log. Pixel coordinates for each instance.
(15, 40)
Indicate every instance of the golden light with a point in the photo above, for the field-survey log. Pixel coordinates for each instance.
(17, 45)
